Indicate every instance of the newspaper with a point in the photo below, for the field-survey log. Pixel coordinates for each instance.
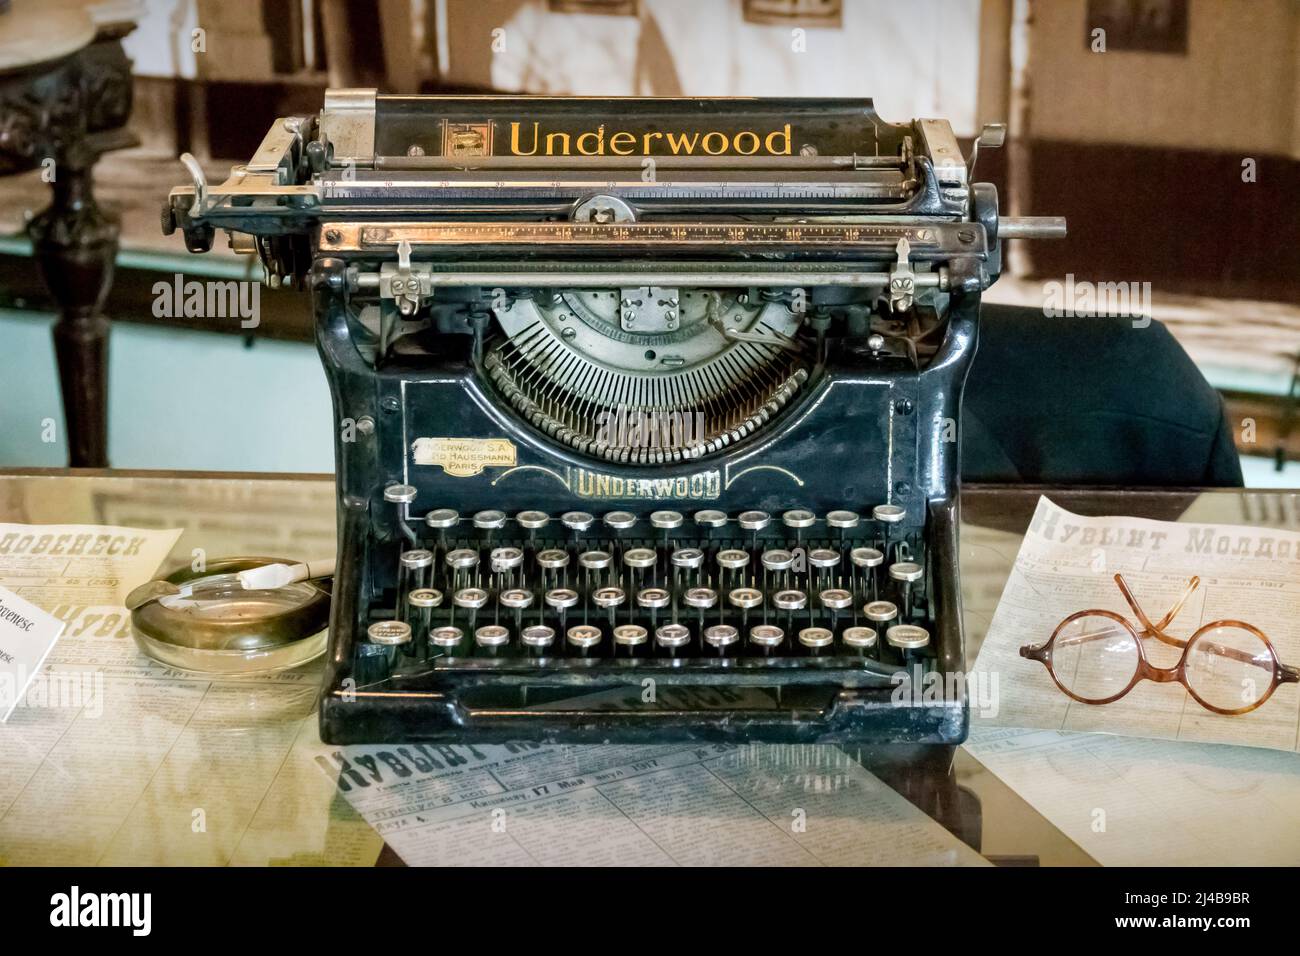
(1067, 563)
(603, 805)
(115, 759)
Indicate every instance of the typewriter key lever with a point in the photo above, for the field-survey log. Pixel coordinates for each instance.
(687, 433)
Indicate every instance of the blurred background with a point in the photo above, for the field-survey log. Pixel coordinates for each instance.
(1173, 149)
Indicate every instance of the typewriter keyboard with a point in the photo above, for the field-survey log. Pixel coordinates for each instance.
(750, 588)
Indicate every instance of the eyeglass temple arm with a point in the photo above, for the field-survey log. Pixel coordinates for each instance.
(1157, 629)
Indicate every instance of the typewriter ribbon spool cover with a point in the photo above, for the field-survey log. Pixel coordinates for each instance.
(641, 404)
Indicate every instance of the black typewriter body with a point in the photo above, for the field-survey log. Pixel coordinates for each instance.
(647, 410)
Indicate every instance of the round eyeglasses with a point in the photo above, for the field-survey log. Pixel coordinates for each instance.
(1096, 657)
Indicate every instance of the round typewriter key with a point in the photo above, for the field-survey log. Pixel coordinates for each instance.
(472, 598)
(460, 559)
(537, 636)
(881, 612)
(842, 519)
(905, 571)
(653, 598)
(908, 638)
(790, 600)
(421, 602)
(532, 520)
(766, 636)
(721, 636)
(732, 558)
(608, 597)
(684, 560)
(688, 558)
(866, 557)
(583, 636)
(577, 520)
(701, 597)
(492, 637)
(552, 559)
(861, 639)
(709, 518)
(799, 518)
(416, 558)
(389, 633)
(837, 599)
(425, 597)
(815, 638)
(561, 598)
(505, 559)
(666, 520)
(672, 636)
(639, 558)
(517, 598)
(745, 598)
(490, 520)
(595, 560)
(823, 558)
(778, 562)
(778, 559)
(400, 494)
(870, 559)
(620, 520)
(888, 514)
(447, 637)
(412, 572)
(441, 519)
(754, 520)
(630, 635)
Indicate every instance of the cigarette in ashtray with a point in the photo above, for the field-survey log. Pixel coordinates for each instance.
(271, 576)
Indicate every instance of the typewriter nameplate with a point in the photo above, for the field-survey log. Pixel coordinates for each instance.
(595, 484)
(464, 457)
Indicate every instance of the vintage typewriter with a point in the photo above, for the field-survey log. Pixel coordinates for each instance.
(647, 409)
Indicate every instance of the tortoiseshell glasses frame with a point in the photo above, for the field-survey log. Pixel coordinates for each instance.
(1145, 670)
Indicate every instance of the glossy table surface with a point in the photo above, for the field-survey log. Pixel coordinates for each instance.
(260, 758)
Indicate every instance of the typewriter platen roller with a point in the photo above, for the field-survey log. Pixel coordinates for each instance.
(648, 410)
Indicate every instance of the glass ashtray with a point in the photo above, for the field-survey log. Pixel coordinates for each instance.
(224, 629)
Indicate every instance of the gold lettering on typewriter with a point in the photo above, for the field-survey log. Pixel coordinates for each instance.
(532, 140)
(464, 457)
(595, 484)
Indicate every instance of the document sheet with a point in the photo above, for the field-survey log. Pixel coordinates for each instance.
(637, 805)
